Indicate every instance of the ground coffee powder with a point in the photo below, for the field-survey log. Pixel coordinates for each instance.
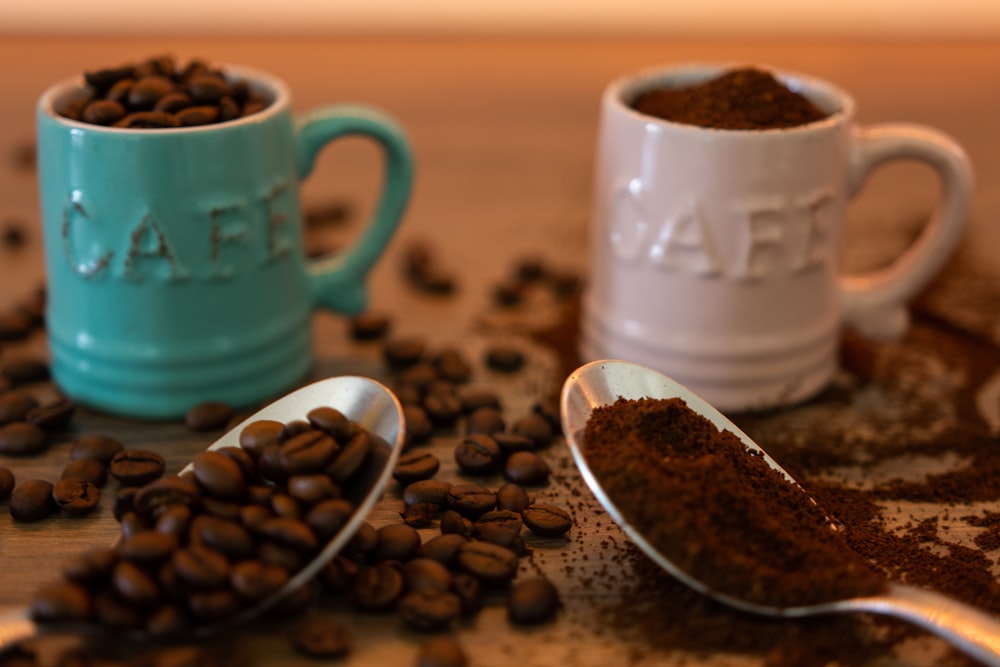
(740, 99)
(717, 509)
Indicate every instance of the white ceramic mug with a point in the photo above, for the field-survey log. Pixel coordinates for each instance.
(714, 253)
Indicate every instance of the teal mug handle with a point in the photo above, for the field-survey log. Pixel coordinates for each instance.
(338, 281)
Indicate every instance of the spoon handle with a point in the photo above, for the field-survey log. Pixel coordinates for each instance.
(15, 626)
(970, 630)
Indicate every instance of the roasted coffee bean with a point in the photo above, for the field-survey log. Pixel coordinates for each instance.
(429, 610)
(377, 587)
(332, 421)
(442, 548)
(72, 105)
(510, 443)
(119, 92)
(396, 541)
(452, 365)
(532, 601)
(229, 538)
(498, 527)
(15, 405)
(174, 520)
(254, 516)
(339, 574)
(201, 567)
(282, 555)
(207, 88)
(148, 546)
(213, 606)
(311, 489)
(512, 497)
(415, 466)
(199, 115)
(90, 566)
(420, 515)
(419, 427)
(209, 415)
(294, 428)
(168, 621)
(425, 574)
(254, 580)
(427, 491)
(327, 517)
(547, 520)
(100, 447)
(32, 501)
(443, 406)
(136, 467)
(471, 500)
(60, 602)
(88, 470)
(7, 482)
(295, 603)
(148, 90)
(308, 452)
(26, 371)
(173, 102)
(134, 584)
(473, 399)
(169, 490)
(133, 524)
(243, 459)
(536, 427)
(409, 395)
(52, 417)
(478, 454)
(403, 352)
(441, 651)
(369, 326)
(364, 540)
(22, 439)
(103, 79)
(493, 564)
(420, 375)
(509, 292)
(258, 434)
(290, 532)
(504, 358)
(259, 494)
(526, 468)
(486, 420)
(350, 458)
(284, 505)
(219, 475)
(76, 497)
(124, 502)
(103, 112)
(321, 637)
(147, 120)
(469, 590)
(270, 466)
(454, 523)
(15, 326)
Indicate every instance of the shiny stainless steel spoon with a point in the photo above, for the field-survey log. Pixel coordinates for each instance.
(362, 400)
(601, 383)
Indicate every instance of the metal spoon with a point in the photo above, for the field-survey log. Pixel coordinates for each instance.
(601, 383)
(361, 399)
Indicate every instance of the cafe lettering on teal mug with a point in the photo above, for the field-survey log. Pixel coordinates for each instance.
(174, 257)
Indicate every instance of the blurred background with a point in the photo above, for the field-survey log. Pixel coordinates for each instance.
(880, 18)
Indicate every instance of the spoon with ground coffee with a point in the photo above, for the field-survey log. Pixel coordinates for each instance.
(331, 446)
(708, 505)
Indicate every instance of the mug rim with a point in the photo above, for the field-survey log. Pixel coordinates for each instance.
(830, 98)
(272, 86)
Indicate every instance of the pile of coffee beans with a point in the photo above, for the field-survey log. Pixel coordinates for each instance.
(200, 547)
(159, 93)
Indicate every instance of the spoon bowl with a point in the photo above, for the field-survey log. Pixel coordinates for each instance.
(601, 383)
(362, 400)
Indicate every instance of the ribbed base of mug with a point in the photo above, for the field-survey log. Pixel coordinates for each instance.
(732, 381)
(166, 388)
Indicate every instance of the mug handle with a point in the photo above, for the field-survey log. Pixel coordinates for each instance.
(875, 302)
(338, 281)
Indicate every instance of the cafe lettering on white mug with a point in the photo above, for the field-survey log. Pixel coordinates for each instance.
(778, 232)
(147, 252)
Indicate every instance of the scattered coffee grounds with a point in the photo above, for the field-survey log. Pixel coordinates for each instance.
(157, 93)
(741, 99)
(717, 509)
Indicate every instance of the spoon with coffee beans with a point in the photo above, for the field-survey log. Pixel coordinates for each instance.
(709, 506)
(245, 526)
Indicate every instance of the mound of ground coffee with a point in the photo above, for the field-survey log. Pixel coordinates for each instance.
(717, 509)
(740, 99)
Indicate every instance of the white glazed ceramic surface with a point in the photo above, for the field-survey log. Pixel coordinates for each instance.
(714, 253)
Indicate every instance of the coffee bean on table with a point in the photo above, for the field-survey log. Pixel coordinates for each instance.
(415, 466)
(208, 416)
(425, 574)
(547, 520)
(478, 454)
(493, 564)
(32, 501)
(512, 442)
(321, 637)
(441, 651)
(442, 548)
(429, 610)
(90, 566)
(498, 527)
(52, 417)
(403, 352)
(469, 590)
(76, 497)
(100, 447)
(486, 419)
(473, 399)
(6, 483)
(419, 427)
(471, 500)
(452, 365)
(532, 601)
(137, 467)
(22, 439)
(25, 371)
(454, 523)
(536, 427)
(88, 470)
(526, 468)
(14, 326)
(513, 497)
(427, 491)
(339, 574)
(15, 405)
(396, 541)
(504, 358)
(377, 587)
(369, 326)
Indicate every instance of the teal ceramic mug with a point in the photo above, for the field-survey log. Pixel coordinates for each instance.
(174, 259)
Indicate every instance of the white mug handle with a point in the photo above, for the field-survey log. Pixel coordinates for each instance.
(875, 303)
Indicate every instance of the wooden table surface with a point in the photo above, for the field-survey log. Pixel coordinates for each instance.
(503, 132)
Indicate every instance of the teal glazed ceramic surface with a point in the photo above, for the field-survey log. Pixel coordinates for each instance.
(174, 257)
